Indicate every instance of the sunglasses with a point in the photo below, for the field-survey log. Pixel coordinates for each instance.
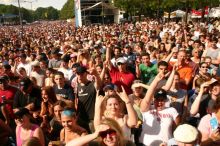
(109, 132)
(204, 66)
(119, 63)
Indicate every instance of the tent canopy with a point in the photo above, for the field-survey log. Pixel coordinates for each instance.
(175, 14)
(214, 12)
(105, 5)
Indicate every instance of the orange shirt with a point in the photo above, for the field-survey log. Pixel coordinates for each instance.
(186, 73)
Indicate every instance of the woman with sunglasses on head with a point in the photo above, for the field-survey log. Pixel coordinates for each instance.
(112, 106)
(108, 133)
(202, 74)
(25, 129)
(71, 129)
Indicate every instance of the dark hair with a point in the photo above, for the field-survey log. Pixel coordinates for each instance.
(201, 63)
(163, 63)
(216, 105)
(145, 54)
(59, 73)
(50, 92)
(75, 65)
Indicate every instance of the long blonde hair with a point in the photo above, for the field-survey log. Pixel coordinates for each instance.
(104, 104)
(115, 126)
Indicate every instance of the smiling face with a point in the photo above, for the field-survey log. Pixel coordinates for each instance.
(68, 122)
(204, 68)
(216, 90)
(159, 104)
(44, 95)
(109, 138)
(113, 106)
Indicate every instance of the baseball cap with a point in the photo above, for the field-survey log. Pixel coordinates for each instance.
(121, 60)
(110, 87)
(25, 82)
(160, 93)
(21, 112)
(3, 78)
(81, 70)
(185, 133)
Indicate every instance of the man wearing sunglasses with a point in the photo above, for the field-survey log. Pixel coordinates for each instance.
(120, 75)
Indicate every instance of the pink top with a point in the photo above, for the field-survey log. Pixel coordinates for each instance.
(18, 138)
(204, 125)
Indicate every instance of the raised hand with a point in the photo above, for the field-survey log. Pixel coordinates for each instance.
(204, 85)
(99, 100)
(101, 128)
(123, 95)
(159, 76)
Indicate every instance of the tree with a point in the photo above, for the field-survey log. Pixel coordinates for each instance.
(49, 13)
(68, 10)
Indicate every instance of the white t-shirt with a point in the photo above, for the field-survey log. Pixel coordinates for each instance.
(40, 77)
(26, 66)
(157, 126)
(67, 73)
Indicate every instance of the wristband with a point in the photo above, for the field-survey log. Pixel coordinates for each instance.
(128, 102)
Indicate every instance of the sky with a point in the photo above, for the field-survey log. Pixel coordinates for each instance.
(58, 4)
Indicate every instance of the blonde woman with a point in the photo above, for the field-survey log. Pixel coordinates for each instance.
(113, 107)
(108, 133)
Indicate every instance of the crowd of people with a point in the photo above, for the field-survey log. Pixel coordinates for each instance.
(146, 83)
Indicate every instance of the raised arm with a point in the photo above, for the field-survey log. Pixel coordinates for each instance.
(145, 103)
(169, 82)
(102, 75)
(98, 114)
(83, 140)
(132, 115)
(174, 50)
(98, 82)
(108, 58)
(195, 106)
(137, 70)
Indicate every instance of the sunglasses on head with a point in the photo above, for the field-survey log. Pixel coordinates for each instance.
(109, 132)
(119, 63)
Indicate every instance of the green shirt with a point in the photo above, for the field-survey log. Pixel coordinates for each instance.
(148, 72)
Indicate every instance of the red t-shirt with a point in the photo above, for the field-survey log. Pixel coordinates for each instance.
(9, 94)
(124, 79)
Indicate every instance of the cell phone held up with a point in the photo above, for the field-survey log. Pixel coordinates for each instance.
(214, 124)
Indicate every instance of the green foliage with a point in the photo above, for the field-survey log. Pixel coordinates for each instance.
(152, 7)
(8, 9)
(68, 10)
(49, 13)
